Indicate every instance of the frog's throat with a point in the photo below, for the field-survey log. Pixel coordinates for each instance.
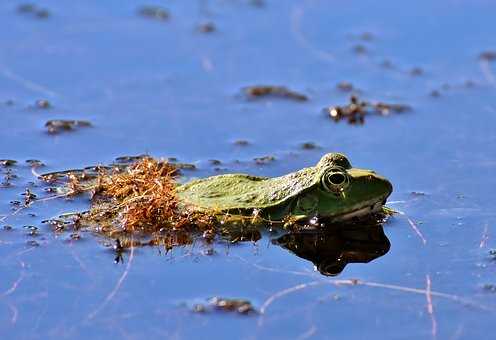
(363, 209)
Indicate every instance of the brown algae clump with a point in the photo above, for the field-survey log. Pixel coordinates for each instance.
(141, 197)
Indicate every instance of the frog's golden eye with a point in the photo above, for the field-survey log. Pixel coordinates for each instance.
(335, 180)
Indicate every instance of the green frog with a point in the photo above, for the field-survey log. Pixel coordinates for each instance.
(332, 190)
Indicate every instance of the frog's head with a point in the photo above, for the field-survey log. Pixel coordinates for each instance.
(342, 192)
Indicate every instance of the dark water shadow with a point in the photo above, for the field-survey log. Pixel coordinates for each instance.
(333, 249)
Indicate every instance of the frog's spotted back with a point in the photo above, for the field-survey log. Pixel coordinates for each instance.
(240, 191)
(293, 193)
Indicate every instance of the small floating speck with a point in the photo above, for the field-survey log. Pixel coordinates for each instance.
(59, 125)
(416, 71)
(32, 10)
(264, 160)
(488, 56)
(489, 287)
(360, 49)
(241, 142)
(238, 306)
(154, 13)
(345, 86)
(260, 91)
(309, 146)
(43, 104)
(207, 27)
(435, 93)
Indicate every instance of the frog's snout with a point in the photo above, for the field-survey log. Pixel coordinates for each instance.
(388, 187)
(384, 186)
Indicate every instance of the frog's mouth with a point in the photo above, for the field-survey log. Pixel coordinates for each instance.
(364, 209)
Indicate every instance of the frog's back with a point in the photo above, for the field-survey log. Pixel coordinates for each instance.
(243, 192)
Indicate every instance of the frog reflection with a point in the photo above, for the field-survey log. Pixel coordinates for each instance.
(331, 250)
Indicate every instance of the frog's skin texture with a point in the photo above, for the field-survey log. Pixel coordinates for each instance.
(332, 190)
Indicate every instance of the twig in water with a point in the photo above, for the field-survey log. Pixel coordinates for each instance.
(296, 18)
(309, 333)
(430, 306)
(414, 227)
(287, 291)
(355, 282)
(15, 313)
(276, 270)
(28, 84)
(16, 283)
(485, 237)
(118, 285)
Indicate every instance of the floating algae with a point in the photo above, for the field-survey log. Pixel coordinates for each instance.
(138, 198)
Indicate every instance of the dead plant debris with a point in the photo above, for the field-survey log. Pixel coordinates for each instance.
(7, 162)
(241, 142)
(257, 3)
(42, 104)
(489, 287)
(264, 160)
(129, 159)
(59, 125)
(309, 146)
(207, 27)
(238, 306)
(488, 56)
(29, 197)
(154, 13)
(138, 198)
(360, 49)
(357, 109)
(261, 91)
(416, 71)
(35, 163)
(33, 11)
(345, 86)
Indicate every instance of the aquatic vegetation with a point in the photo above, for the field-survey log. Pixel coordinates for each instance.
(140, 198)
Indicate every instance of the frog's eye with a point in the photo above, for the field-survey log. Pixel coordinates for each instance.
(335, 180)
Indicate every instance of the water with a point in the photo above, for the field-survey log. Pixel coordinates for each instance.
(165, 89)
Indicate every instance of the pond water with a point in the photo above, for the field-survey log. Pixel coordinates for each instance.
(165, 88)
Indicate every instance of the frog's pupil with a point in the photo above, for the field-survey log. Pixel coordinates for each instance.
(337, 179)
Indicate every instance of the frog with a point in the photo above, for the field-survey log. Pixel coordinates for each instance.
(332, 191)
